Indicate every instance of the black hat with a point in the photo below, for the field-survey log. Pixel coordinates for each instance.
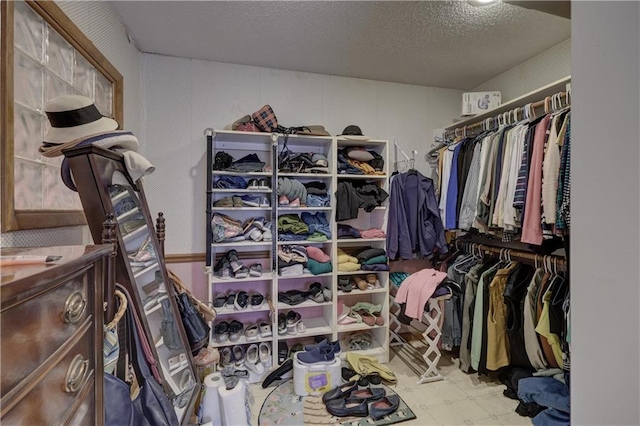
(353, 132)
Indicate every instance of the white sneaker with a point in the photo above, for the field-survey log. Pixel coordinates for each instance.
(265, 354)
(252, 360)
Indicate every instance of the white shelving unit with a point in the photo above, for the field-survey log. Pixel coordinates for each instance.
(320, 319)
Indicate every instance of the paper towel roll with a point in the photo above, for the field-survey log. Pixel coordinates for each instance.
(210, 403)
(234, 409)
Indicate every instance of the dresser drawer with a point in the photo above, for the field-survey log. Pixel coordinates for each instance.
(52, 397)
(86, 412)
(36, 328)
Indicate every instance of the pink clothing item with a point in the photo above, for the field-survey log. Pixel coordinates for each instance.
(532, 223)
(373, 233)
(317, 254)
(417, 289)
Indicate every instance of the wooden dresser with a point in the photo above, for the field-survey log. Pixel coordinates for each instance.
(51, 335)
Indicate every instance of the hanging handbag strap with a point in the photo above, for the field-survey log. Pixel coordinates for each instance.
(143, 355)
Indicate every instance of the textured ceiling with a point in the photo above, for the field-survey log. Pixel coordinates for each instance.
(433, 43)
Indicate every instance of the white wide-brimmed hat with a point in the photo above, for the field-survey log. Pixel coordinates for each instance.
(73, 117)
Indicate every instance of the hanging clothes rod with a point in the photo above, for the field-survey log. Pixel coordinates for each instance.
(557, 262)
(555, 102)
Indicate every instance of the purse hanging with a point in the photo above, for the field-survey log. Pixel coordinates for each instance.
(111, 344)
(151, 407)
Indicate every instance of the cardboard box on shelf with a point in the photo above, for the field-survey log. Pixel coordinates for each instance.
(478, 102)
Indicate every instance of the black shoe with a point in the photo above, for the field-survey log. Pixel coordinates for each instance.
(278, 373)
(283, 352)
(373, 378)
(342, 408)
(384, 407)
(339, 392)
(347, 373)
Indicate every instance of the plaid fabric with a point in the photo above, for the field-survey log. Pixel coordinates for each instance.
(247, 127)
(265, 119)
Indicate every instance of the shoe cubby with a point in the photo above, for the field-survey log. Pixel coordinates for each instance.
(319, 318)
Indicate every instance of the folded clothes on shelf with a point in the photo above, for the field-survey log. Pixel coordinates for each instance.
(231, 182)
(373, 233)
(292, 189)
(317, 268)
(348, 232)
(369, 253)
(247, 164)
(351, 196)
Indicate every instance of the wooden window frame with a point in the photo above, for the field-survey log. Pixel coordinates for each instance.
(13, 220)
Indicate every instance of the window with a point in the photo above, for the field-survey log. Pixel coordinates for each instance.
(44, 55)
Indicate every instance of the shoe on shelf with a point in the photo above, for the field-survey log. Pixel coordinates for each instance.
(264, 202)
(251, 333)
(294, 203)
(220, 301)
(238, 355)
(264, 352)
(226, 356)
(342, 408)
(235, 330)
(384, 407)
(237, 201)
(267, 234)
(301, 328)
(221, 331)
(250, 200)
(264, 184)
(242, 300)
(265, 329)
(255, 270)
(259, 222)
(282, 324)
(253, 184)
(231, 298)
(241, 273)
(292, 320)
(224, 202)
(252, 360)
(283, 352)
(339, 392)
(256, 300)
(283, 200)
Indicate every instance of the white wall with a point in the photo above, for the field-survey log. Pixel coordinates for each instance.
(605, 228)
(182, 97)
(544, 68)
(101, 25)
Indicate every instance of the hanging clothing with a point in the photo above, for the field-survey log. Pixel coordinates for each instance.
(497, 340)
(414, 224)
(416, 291)
(532, 224)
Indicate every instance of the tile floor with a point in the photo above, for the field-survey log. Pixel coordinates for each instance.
(460, 399)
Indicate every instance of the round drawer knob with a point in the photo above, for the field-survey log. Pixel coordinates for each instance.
(74, 307)
(76, 374)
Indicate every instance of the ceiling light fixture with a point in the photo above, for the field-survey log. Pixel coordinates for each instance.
(482, 2)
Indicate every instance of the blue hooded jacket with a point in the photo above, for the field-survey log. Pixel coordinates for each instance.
(414, 224)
